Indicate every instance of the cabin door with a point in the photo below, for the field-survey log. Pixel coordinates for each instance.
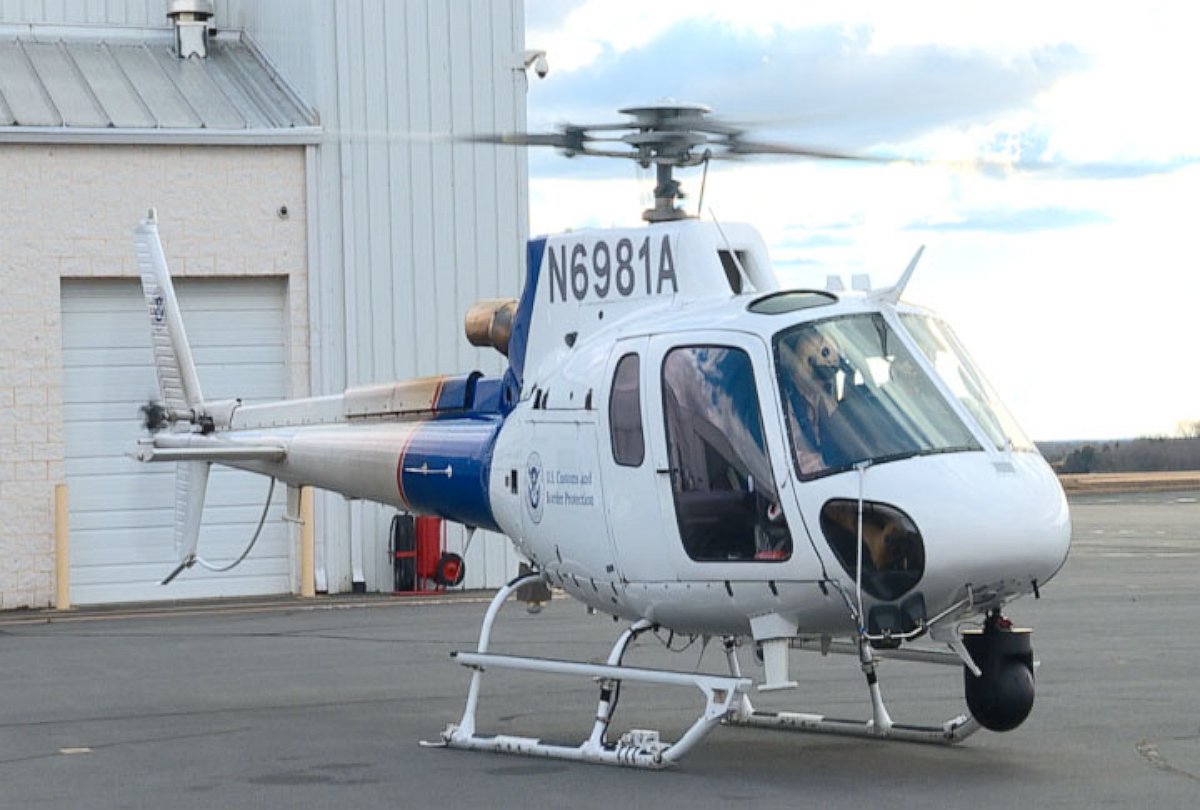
(640, 536)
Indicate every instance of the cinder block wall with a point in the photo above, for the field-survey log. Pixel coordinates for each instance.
(68, 211)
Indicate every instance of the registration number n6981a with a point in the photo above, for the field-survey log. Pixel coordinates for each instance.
(607, 269)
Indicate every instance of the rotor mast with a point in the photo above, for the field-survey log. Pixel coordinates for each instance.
(666, 191)
(670, 134)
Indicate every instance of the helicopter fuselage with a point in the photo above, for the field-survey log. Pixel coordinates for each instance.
(655, 450)
(679, 442)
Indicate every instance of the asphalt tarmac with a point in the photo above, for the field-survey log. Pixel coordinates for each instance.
(282, 704)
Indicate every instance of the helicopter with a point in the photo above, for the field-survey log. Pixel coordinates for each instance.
(682, 443)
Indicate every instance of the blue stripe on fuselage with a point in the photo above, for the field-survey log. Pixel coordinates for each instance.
(445, 466)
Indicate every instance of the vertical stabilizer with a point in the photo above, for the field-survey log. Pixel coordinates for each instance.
(178, 384)
(177, 381)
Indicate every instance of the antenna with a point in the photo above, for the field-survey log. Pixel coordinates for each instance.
(892, 294)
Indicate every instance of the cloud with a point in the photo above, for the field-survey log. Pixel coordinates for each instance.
(824, 85)
(541, 15)
(1082, 124)
(799, 238)
(1017, 221)
(1105, 170)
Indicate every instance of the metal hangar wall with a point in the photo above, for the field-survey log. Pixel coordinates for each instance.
(405, 232)
(386, 239)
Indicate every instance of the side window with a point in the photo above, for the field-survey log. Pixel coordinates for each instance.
(726, 502)
(625, 414)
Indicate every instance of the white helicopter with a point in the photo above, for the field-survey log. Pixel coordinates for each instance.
(682, 444)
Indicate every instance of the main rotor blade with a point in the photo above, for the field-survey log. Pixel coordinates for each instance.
(560, 140)
(676, 134)
(742, 147)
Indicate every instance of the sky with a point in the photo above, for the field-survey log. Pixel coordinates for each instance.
(1075, 285)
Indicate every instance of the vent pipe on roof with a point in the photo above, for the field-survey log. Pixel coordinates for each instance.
(190, 18)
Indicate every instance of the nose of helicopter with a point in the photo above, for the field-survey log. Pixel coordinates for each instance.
(999, 526)
(1003, 526)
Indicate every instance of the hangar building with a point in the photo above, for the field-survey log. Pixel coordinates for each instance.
(316, 244)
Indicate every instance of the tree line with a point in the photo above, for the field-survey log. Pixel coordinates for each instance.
(1150, 454)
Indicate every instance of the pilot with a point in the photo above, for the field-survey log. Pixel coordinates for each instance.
(903, 372)
(811, 362)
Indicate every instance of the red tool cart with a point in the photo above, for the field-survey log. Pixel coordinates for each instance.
(420, 562)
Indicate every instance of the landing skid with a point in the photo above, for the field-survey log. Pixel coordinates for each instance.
(725, 702)
(950, 732)
(636, 748)
(880, 726)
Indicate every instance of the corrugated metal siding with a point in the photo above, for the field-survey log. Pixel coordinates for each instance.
(85, 12)
(410, 231)
(291, 32)
(121, 100)
(125, 80)
(66, 84)
(427, 227)
(405, 233)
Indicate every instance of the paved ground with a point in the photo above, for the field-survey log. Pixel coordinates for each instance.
(286, 706)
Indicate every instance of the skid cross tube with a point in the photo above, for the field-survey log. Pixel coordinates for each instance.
(637, 748)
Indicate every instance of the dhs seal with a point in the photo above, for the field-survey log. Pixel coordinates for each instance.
(535, 491)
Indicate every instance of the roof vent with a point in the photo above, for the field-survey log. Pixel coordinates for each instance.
(191, 26)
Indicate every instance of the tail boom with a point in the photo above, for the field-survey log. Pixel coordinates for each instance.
(423, 445)
(427, 467)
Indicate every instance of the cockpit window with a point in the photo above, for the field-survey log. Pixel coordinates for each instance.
(961, 376)
(853, 393)
(726, 502)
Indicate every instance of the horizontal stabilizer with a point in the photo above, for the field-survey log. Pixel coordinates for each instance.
(191, 485)
(195, 447)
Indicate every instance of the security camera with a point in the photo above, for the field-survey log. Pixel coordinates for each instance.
(537, 61)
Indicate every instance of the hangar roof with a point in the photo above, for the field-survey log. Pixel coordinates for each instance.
(125, 85)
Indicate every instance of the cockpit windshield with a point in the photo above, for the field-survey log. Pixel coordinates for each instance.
(853, 393)
(954, 366)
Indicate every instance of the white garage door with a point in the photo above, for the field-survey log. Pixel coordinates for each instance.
(122, 511)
